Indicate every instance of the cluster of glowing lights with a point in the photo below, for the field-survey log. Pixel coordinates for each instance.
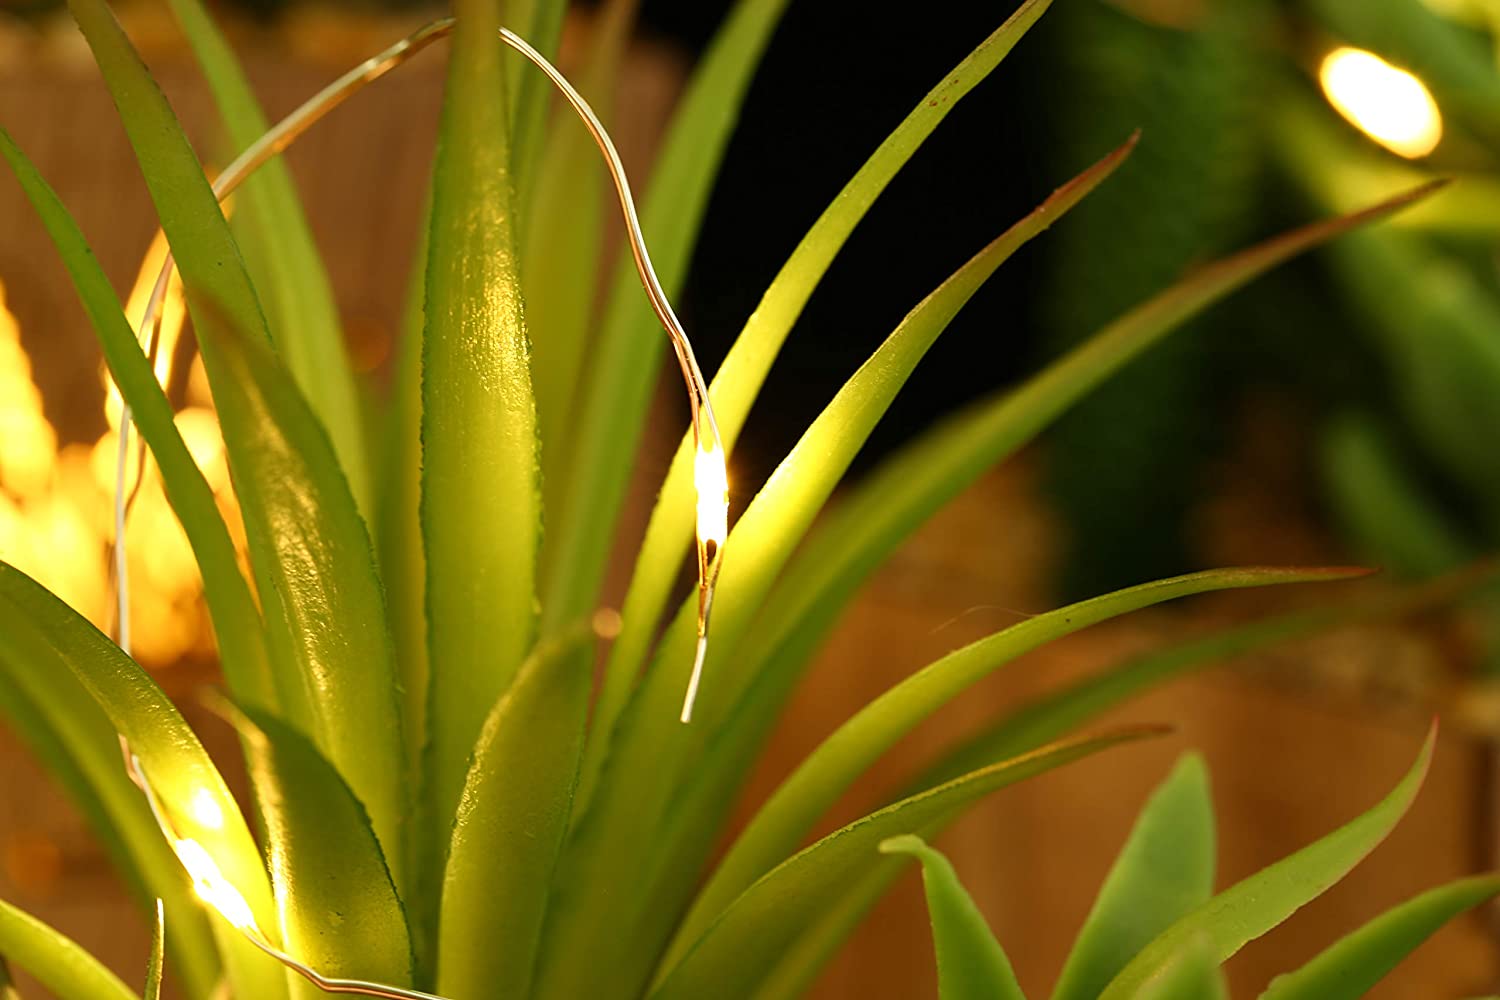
(1385, 102)
(56, 498)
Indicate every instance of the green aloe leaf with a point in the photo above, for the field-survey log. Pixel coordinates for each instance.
(971, 964)
(1165, 871)
(310, 550)
(319, 577)
(1192, 974)
(1359, 960)
(46, 706)
(626, 820)
(339, 909)
(817, 783)
(481, 504)
(870, 523)
(742, 945)
(236, 621)
(563, 240)
(1251, 907)
(878, 514)
(56, 961)
(745, 367)
(152, 990)
(519, 793)
(621, 372)
(1052, 715)
(193, 794)
(287, 267)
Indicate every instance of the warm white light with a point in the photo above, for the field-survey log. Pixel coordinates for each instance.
(173, 313)
(211, 885)
(206, 811)
(1388, 104)
(711, 477)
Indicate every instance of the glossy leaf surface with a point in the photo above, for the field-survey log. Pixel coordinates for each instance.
(481, 503)
(517, 797)
(339, 909)
(192, 792)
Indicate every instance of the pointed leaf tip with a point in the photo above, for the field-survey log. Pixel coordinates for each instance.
(971, 963)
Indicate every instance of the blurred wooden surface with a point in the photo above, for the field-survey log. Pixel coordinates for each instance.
(1286, 768)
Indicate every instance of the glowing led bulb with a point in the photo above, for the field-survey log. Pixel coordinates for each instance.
(711, 478)
(206, 811)
(1388, 104)
(211, 885)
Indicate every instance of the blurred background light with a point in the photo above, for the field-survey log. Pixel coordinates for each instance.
(1386, 103)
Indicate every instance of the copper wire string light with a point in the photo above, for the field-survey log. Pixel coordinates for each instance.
(709, 468)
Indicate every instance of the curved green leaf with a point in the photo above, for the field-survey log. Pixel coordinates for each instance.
(816, 784)
(1050, 716)
(318, 578)
(744, 369)
(62, 726)
(1165, 870)
(158, 955)
(1192, 974)
(626, 820)
(540, 22)
(236, 621)
(481, 504)
(741, 946)
(869, 524)
(310, 551)
(1249, 908)
(971, 964)
(289, 272)
(878, 514)
(519, 794)
(56, 961)
(1354, 964)
(622, 369)
(40, 632)
(339, 909)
